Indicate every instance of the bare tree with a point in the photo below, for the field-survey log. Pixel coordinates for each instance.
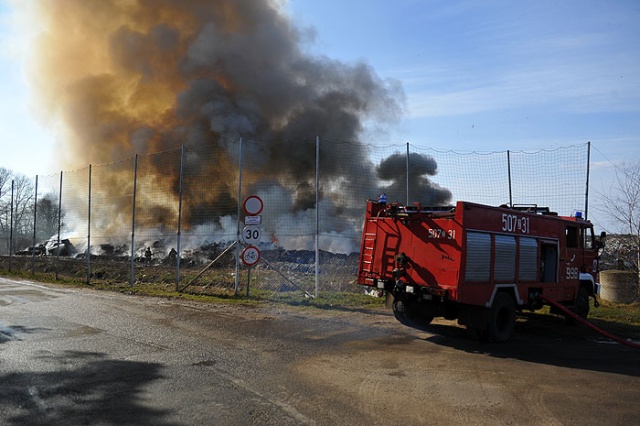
(48, 213)
(5, 208)
(16, 191)
(622, 203)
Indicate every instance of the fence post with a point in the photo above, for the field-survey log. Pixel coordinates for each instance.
(237, 284)
(59, 226)
(509, 177)
(407, 168)
(586, 194)
(317, 277)
(89, 232)
(133, 221)
(35, 218)
(179, 219)
(11, 227)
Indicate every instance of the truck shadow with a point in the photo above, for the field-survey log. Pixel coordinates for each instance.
(98, 390)
(544, 339)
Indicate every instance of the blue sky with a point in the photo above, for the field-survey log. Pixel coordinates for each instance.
(27, 146)
(477, 75)
(501, 75)
(498, 75)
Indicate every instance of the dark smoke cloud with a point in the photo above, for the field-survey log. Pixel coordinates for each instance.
(125, 77)
(421, 167)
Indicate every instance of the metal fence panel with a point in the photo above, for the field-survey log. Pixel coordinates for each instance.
(314, 194)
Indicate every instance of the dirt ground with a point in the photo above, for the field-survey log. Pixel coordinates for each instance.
(94, 357)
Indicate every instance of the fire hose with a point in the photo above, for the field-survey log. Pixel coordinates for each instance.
(590, 325)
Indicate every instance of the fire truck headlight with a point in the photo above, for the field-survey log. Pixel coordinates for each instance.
(409, 289)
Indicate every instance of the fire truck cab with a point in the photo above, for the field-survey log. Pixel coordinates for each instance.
(478, 264)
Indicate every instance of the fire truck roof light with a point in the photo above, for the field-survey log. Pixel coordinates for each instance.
(579, 214)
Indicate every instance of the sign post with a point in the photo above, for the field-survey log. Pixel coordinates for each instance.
(251, 233)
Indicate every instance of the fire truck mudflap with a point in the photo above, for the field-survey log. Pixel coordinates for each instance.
(478, 264)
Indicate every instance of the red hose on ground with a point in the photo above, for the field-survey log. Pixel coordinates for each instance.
(591, 326)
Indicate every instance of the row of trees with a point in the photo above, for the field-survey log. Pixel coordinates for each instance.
(19, 210)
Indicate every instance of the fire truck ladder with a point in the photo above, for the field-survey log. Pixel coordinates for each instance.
(368, 252)
(369, 248)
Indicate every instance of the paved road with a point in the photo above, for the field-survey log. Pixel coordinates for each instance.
(72, 357)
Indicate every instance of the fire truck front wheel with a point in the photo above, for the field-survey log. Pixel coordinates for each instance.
(502, 318)
(406, 314)
(581, 306)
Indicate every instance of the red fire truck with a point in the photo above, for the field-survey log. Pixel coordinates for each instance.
(478, 264)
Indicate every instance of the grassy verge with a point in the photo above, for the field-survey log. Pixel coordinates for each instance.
(151, 288)
(622, 313)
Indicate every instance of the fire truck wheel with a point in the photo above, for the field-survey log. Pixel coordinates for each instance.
(502, 318)
(398, 311)
(406, 315)
(581, 305)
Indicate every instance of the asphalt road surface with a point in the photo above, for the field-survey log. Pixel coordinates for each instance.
(81, 357)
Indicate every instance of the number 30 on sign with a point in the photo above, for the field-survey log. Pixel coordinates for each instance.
(251, 234)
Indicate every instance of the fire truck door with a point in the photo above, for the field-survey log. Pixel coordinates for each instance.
(571, 257)
(548, 261)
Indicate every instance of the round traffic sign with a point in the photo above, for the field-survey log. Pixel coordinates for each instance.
(253, 205)
(251, 234)
(250, 255)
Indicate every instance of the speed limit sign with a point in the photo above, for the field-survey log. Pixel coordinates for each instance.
(250, 255)
(251, 234)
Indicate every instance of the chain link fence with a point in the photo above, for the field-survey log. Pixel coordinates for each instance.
(177, 217)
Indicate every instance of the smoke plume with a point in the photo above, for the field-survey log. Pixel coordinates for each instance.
(140, 76)
(126, 77)
(394, 169)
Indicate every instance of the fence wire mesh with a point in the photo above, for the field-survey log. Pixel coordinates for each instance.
(177, 217)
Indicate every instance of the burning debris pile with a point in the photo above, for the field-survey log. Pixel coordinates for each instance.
(137, 77)
(50, 248)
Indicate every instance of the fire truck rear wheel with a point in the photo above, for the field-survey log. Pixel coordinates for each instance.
(406, 314)
(399, 311)
(502, 318)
